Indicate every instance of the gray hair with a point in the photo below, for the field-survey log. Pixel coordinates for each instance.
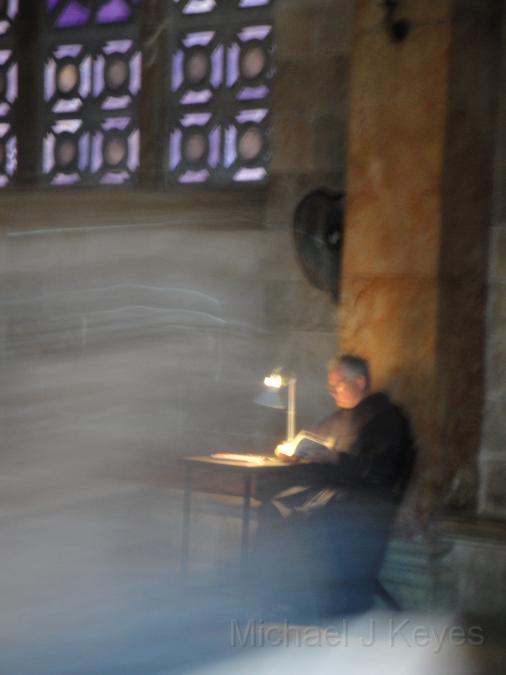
(355, 366)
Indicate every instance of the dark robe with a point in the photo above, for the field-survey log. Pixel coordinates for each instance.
(372, 453)
(327, 533)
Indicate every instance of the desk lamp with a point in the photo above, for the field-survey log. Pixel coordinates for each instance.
(271, 398)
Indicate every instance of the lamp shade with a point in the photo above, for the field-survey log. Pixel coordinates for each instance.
(271, 398)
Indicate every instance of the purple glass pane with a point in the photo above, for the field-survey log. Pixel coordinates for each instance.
(12, 8)
(74, 14)
(11, 11)
(214, 147)
(65, 179)
(67, 50)
(252, 93)
(51, 4)
(84, 151)
(196, 97)
(203, 39)
(195, 119)
(116, 103)
(67, 125)
(96, 152)
(3, 181)
(256, 115)
(12, 83)
(175, 149)
(116, 123)
(199, 6)
(116, 178)
(48, 154)
(11, 158)
(49, 80)
(194, 176)
(114, 46)
(98, 80)
(85, 75)
(135, 74)
(254, 33)
(230, 151)
(4, 56)
(233, 65)
(217, 66)
(244, 175)
(4, 109)
(253, 3)
(177, 70)
(66, 106)
(113, 12)
(133, 150)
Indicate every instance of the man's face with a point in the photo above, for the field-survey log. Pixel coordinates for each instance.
(346, 390)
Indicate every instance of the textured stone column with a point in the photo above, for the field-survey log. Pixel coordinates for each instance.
(420, 151)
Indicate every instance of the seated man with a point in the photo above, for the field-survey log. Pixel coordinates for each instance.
(338, 519)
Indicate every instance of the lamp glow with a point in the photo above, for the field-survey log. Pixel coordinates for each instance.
(274, 380)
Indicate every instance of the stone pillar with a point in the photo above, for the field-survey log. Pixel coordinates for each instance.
(420, 157)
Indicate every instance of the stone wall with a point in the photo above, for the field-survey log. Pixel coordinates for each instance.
(310, 91)
(493, 445)
(137, 326)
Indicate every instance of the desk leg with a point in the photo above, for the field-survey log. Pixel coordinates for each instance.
(245, 524)
(185, 535)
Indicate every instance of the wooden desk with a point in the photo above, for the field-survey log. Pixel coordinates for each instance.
(248, 472)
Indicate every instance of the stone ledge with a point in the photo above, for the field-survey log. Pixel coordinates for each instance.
(219, 209)
(417, 573)
(477, 530)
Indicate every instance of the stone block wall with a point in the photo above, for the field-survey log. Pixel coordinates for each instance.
(310, 91)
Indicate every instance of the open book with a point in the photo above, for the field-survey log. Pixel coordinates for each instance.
(306, 444)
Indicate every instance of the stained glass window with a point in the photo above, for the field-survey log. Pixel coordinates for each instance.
(8, 91)
(205, 105)
(219, 98)
(87, 13)
(91, 83)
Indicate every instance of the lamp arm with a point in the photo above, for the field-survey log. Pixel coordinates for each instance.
(290, 417)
